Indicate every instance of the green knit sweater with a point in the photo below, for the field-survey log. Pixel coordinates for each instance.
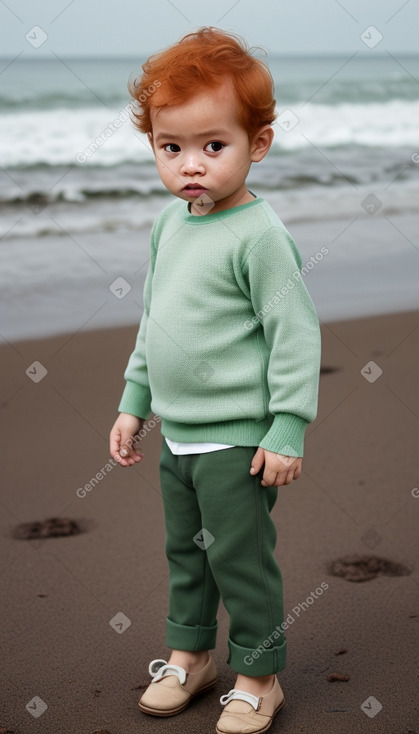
(228, 348)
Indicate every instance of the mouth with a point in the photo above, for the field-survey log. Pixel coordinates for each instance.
(194, 189)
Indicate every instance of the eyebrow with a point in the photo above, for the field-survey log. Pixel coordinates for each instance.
(205, 134)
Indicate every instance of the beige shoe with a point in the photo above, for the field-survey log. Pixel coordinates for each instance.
(172, 688)
(245, 713)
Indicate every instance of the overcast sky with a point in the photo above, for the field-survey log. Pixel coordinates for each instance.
(138, 27)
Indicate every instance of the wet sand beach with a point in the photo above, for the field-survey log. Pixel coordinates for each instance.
(83, 615)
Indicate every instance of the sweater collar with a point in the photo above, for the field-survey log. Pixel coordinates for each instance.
(186, 216)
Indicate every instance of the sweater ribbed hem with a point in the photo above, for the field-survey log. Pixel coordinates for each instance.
(286, 435)
(282, 435)
(136, 400)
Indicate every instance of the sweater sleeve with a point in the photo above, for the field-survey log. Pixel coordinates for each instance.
(136, 398)
(287, 323)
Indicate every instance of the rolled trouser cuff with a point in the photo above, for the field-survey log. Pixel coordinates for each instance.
(186, 637)
(255, 662)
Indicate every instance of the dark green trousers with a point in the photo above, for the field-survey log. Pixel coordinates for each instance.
(220, 541)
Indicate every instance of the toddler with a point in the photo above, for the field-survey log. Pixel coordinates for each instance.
(228, 356)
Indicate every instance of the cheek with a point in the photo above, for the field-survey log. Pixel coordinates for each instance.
(229, 169)
(166, 170)
(231, 162)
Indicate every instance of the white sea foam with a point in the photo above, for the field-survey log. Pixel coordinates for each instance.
(58, 136)
(388, 124)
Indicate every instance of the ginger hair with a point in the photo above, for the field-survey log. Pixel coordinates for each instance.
(204, 60)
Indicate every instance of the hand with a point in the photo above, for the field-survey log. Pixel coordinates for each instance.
(279, 469)
(124, 443)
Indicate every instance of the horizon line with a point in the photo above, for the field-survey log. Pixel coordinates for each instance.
(302, 55)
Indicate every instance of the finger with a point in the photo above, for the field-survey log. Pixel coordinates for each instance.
(114, 442)
(137, 445)
(128, 445)
(290, 476)
(128, 461)
(280, 479)
(120, 460)
(257, 461)
(269, 478)
(122, 454)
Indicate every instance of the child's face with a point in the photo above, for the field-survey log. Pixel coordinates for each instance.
(202, 142)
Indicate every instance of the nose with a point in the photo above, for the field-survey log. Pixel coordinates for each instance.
(192, 163)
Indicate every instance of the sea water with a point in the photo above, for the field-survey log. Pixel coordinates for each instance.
(79, 189)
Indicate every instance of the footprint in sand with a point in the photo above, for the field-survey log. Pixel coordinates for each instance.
(365, 568)
(54, 527)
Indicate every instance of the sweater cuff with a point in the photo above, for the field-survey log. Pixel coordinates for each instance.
(136, 400)
(286, 435)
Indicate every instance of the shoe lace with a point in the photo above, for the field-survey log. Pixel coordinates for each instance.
(158, 669)
(237, 694)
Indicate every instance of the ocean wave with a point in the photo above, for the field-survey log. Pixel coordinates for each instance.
(71, 219)
(282, 170)
(39, 199)
(97, 137)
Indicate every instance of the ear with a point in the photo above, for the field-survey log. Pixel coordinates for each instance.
(151, 140)
(261, 143)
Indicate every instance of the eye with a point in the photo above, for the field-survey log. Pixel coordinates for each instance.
(172, 148)
(214, 147)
